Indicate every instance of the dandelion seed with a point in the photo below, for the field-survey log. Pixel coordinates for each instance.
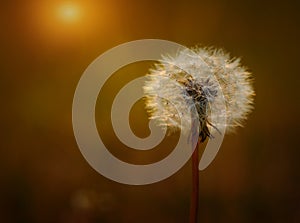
(193, 79)
(202, 87)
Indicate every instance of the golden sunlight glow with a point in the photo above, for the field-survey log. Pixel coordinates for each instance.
(69, 22)
(69, 13)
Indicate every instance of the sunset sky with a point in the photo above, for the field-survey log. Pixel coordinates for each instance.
(47, 45)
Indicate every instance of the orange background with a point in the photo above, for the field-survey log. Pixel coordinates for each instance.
(44, 177)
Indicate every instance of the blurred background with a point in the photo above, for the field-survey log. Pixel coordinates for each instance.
(46, 46)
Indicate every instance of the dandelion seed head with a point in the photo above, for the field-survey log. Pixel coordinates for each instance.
(199, 80)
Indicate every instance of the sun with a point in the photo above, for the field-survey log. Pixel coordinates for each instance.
(69, 13)
(67, 22)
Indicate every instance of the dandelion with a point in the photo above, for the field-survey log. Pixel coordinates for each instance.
(200, 80)
(202, 73)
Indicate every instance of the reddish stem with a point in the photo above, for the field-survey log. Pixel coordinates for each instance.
(194, 208)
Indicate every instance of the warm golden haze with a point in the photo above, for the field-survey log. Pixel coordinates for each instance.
(69, 13)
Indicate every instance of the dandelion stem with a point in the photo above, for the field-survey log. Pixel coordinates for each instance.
(194, 208)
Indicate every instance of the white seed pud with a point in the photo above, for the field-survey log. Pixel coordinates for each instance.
(193, 79)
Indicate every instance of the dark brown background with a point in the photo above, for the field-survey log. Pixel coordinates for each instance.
(44, 177)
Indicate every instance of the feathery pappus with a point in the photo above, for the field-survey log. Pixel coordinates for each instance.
(206, 82)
